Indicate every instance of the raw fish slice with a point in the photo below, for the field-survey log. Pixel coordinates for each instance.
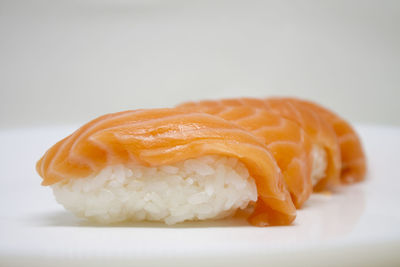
(166, 136)
(314, 125)
(354, 164)
(318, 129)
(290, 146)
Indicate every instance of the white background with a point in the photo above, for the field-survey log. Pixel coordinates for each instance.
(69, 61)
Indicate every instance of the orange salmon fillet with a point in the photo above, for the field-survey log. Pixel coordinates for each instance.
(317, 128)
(354, 165)
(320, 131)
(166, 136)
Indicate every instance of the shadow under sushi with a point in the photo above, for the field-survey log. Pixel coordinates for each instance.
(66, 219)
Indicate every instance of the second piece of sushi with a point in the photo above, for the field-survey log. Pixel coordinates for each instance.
(354, 165)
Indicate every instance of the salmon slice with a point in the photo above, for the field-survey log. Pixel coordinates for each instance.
(166, 136)
(320, 131)
(354, 164)
(289, 144)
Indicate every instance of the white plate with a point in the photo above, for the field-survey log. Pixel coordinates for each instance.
(358, 224)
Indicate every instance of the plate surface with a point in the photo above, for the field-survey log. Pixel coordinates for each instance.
(357, 224)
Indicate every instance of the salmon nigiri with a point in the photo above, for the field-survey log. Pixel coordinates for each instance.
(166, 165)
(288, 143)
(326, 151)
(318, 129)
(354, 164)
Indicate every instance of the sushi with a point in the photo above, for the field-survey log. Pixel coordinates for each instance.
(203, 160)
(354, 166)
(337, 149)
(168, 165)
(287, 141)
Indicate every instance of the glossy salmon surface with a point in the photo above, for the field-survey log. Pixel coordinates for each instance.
(319, 130)
(354, 164)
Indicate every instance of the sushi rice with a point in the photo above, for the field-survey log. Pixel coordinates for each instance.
(209, 187)
(319, 164)
(195, 189)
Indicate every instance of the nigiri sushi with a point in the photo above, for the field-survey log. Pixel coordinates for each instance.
(337, 149)
(354, 164)
(168, 165)
(287, 141)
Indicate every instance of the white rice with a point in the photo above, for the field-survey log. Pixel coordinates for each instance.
(209, 187)
(319, 164)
